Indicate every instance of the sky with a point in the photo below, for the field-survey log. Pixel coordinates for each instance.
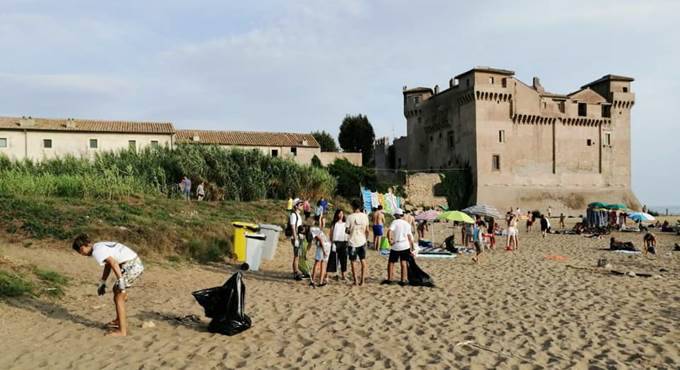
(302, 65)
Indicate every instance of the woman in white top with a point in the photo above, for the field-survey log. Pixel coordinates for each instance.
(339, 240)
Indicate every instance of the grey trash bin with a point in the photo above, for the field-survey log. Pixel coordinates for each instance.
(272, 232)
(254, 247)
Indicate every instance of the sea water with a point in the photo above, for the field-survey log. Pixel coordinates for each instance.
(672, 210)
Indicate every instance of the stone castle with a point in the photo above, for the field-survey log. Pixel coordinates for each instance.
(525, 147)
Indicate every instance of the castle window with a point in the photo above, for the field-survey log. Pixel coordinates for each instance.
(293, 150)
(606, 111)
(3, 142)
(560, 105)
(496, 162)
(504, 82)
(47, 143)
(582, 109)
(608, 139)
(467, 82)
(275, 153)
(94, 144)
(491, 80)
(450, 139)
(416, 99)
(431, 138)
(589, 142)
(501, 136)
(625, 89)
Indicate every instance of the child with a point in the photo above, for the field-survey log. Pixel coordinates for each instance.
(477, 240)
(126, 266)
(323, 251)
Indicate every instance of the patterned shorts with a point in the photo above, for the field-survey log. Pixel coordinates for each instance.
(132, 270)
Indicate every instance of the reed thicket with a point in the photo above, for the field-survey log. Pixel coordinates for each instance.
(235, 174)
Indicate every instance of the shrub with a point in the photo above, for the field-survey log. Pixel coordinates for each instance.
(13, 285)
(350, 177)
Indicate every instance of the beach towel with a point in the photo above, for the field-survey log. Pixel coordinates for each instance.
(416, 276)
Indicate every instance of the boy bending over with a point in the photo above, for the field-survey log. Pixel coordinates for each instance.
(126, 266)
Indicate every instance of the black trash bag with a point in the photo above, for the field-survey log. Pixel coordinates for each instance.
(225, 305)
(416, 276)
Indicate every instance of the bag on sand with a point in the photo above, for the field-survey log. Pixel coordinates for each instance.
(225, 305)
(416, 276)
(332, 262)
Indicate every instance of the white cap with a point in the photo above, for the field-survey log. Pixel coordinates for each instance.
(296, 201)
(399, 212)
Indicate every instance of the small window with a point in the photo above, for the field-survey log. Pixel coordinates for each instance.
(625, 89)
(501, 136)
(589, 142)
(3, 142)
(154, 143)
(93, 144)
(431, 138)
(293, 150)
(504, 82)
(450, 139)
(416, 99)
(467, 82)
(132, 144)
(275, 153)
(496, 162)
(491, 80)
(560, 105)
(47, 143)
(608, 139)
(606, 111)
(582, 109)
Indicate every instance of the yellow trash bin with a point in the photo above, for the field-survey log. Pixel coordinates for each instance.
(239, 241)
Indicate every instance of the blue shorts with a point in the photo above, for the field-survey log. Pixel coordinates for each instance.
(377, 230)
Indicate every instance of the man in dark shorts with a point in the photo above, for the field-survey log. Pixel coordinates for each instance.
(400, 236)
(357, 224)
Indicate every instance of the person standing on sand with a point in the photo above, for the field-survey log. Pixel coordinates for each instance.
(126, 266)
(530, 220)
(562, 225)
(545, 225)
(408, 217)
(323, 251)
(357, 222)
(477, 239)
(307, 209)
(378, 227)
(512, 242)
(549, 211)
(339, 240)
(400, 236)
(295, 224)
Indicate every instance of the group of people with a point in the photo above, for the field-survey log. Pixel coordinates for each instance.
(185, 189)
(347, 238)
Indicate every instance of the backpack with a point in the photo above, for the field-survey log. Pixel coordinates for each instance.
(289, 228)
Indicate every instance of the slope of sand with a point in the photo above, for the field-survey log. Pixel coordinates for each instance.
(515, 310)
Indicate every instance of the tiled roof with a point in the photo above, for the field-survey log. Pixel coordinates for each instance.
(85, 125)
(247, 138)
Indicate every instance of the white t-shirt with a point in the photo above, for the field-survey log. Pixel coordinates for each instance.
(358, 224)
(120, 252)
(295, 221)
(339, 232)
(325, 242)
(400, 230)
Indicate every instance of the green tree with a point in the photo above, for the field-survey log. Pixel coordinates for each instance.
(316, 162)
(326, 141)
(349, 177)
(457, 187)
(357, 135)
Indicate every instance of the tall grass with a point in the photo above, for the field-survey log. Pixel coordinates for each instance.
(239, 174)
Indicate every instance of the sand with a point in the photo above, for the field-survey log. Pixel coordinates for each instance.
(515, 310)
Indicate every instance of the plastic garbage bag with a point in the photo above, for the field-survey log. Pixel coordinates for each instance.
(416, 276)
(226, 306)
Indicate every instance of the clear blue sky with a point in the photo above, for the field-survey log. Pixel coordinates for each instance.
(302, 65)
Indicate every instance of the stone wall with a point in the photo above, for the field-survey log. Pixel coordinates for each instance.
(420, 190)
(330, 157)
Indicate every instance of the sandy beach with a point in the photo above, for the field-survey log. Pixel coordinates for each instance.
(515, 310)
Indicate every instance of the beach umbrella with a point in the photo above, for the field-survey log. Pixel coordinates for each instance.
(641, 217)
(483, 210)
(615, 206)
(430, 215)
(597, 205)
(456, 216)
